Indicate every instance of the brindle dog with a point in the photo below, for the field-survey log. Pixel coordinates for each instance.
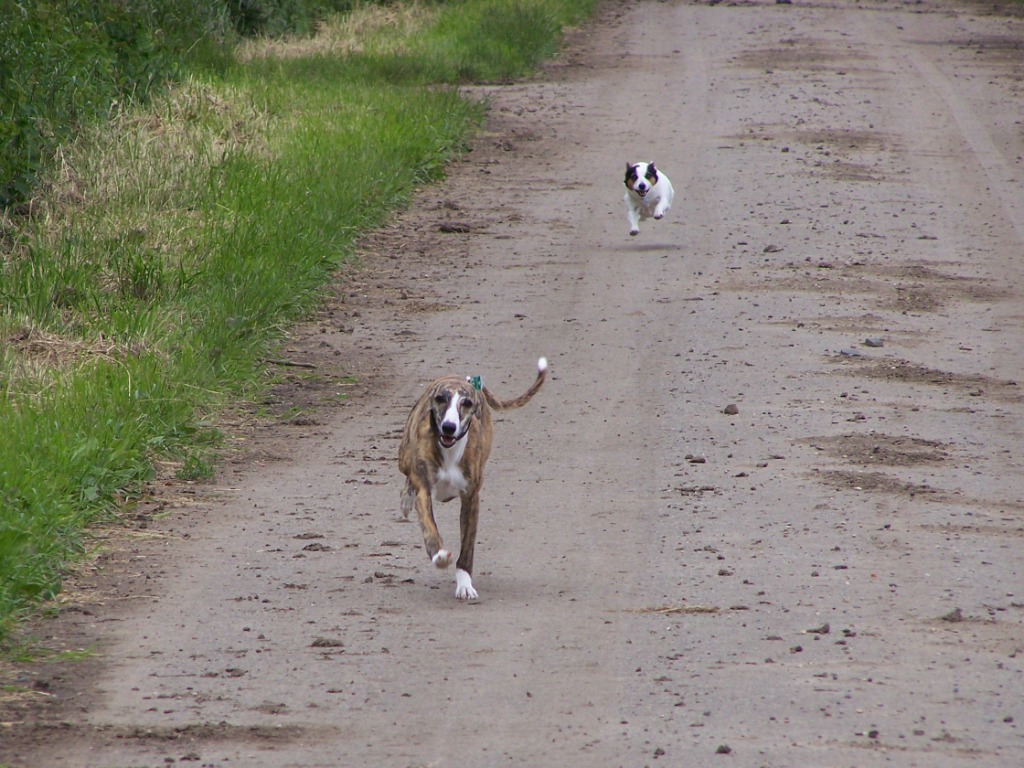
(445, 444)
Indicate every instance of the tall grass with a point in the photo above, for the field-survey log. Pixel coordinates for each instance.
(177, 241)
(65, 62)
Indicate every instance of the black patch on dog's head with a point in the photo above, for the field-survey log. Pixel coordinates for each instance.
(631, 175)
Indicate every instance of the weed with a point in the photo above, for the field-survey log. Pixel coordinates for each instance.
(195, 467)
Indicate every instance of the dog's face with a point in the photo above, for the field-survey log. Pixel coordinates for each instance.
(452, 405)
(641, 177)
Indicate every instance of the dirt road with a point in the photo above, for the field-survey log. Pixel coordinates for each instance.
(831, 573)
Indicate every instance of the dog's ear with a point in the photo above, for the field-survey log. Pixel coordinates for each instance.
(630, 172)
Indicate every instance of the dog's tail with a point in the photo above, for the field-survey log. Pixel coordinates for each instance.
(523, 399)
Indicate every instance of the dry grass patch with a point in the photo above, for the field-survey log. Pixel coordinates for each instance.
(34, 360)
(152, 158)
(376, 28)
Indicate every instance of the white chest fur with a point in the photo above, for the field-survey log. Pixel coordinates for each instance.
(450, 480)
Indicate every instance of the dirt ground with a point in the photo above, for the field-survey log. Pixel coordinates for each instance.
(768, 509)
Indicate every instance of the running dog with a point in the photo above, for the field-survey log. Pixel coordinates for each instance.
(648, 193)
(445, 444)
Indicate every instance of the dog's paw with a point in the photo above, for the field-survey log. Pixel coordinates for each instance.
(634, 232)
(464, 586)
(442, 559)
(659, 215)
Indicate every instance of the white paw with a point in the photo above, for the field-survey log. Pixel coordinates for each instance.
(442, 558)
(659, 215)
(634, 232)
(464, 586)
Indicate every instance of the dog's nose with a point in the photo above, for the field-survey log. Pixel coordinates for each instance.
(449, 428)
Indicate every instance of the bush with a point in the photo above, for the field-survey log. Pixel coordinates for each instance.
(64, 62)
(282, 17)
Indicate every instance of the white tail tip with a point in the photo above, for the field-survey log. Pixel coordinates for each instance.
(542, 364)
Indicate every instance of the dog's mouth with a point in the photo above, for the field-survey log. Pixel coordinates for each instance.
(641, 192)
(447, 441)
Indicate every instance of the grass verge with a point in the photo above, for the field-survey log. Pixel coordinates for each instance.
(174, 244)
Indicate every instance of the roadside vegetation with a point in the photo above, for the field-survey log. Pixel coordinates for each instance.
(164, 222)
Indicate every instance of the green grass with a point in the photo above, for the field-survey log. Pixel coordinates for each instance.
(175, 243)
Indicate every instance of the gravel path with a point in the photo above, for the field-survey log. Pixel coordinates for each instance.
(768, 509)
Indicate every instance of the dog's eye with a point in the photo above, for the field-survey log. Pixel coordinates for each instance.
(441, 399)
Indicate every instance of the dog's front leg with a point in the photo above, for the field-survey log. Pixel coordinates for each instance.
(660, 208)
(419, 481)
(464, 567)
(633, 214)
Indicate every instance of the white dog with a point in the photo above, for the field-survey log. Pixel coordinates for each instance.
(648, 193)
